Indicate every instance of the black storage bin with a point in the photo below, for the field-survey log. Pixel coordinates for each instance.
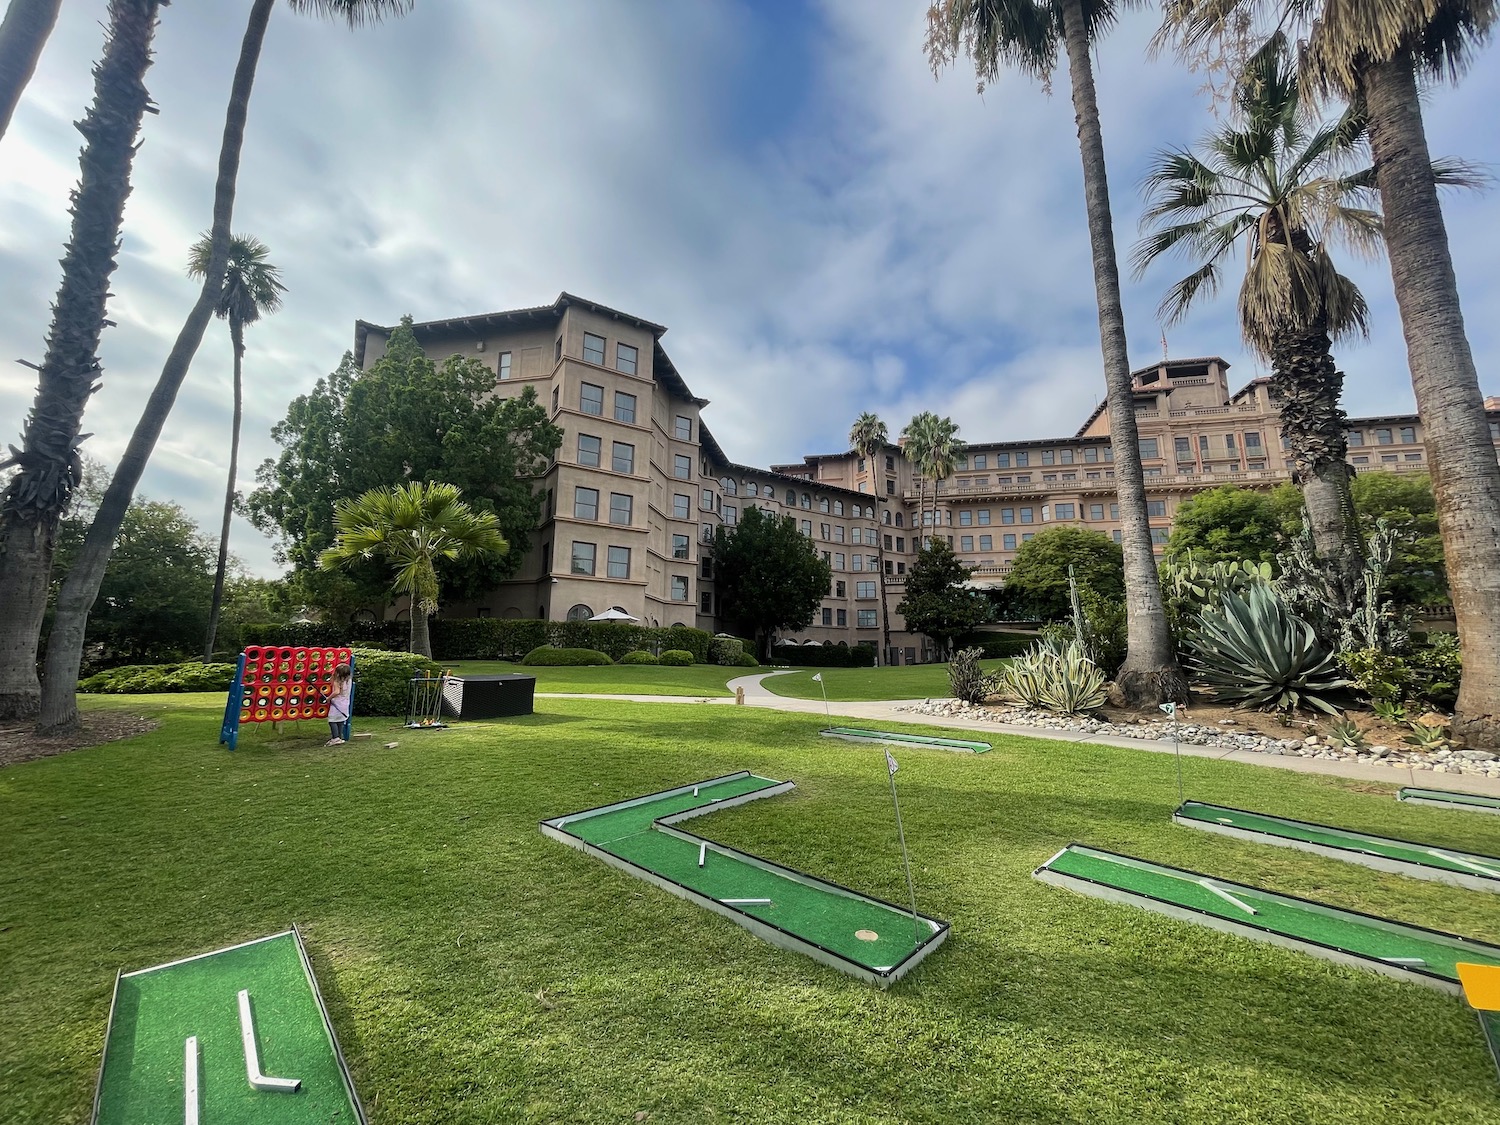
(489, 697)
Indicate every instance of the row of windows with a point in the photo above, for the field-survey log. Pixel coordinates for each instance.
(1383, 435)
(586, 506)
(890, 464)
(1022, 458)
(839, 561)
(1387, 458)
(591, 401)
(626, 357)
(617, 564)
(863, 619)
(621, 454)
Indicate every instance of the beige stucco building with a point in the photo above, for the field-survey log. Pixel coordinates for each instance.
(640, 483)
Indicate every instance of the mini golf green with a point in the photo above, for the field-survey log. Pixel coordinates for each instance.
(1401, 857)
(855, 734)
(863, 936)
(1346, 936)
(1443, 798)
(145, 1078)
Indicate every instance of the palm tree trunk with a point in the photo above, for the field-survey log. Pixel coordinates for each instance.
(1150, 674)
(76, 598)
(1307, 384)
(27, 27)
(922, 512)
(237, 339)
(885, 612)
(420, 641)
(39, 494)
(1465, 476)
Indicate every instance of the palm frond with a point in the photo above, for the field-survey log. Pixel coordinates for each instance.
(356, 13)
(1204, 280)
(1455, 172)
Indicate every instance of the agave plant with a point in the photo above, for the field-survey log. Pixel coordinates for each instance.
(1054, 675)
(1254, 651)
(1389, 710)
(1426, 737)
(1345, 732)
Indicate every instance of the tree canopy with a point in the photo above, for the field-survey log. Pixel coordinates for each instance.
(1417, 575)
(405, 419)
(1230, 523)
(769, 574)
(938, 600)
(1039, 576)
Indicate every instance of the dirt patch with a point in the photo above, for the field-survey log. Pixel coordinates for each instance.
(1270, 724)
(19, 741)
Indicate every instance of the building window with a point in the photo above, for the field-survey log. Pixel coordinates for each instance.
(1360, 460)
(807, 528)
(838, 561)
(890, 463)
(965, 542)
(1007, 515)
(1114, 511)
(625, 358)
(986, 542)
(1027, 516)
(622, 457)
(901, 543)
(984, 517)
(1408, 435)
(593, 348)
(1091, 454)
(840, 589)
(888, 542)
(842, 617)
(679, 546)
(806, 502)
(706, 499)
(1148, 447)
(591, 399)
(981, 461)
(1355, 437)
(586, 504)
(620, 508)
(731, 514)
(1388, 457)
(1252, 444)
(1046, 513)
(1203, 444)
(864, 589)
(827, 617)
(791, 498)
(1159, 535)
(682, 506)
(1008, 541)
(706, 602)
(838, 507)
(682, 428)
(502, 365)
(557, 349)
(1067, 456)
(619, 561)
(588, 449)
(856, 562)
(554, 399)
(838, 533)
(1229, 444)
(682, 467)
(1184, 446)
(580, 612)
(1047, 457)
(1156, 507)
(679, 588)
(965, 518)
(866, 619)
(1022, 460)
(1382, 437)
(624, 407)
(1413, 456)
(1096, 511)
(1064, 511)
(583, 558)
(1115, 534)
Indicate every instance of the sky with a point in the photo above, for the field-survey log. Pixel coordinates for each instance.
(823, 226)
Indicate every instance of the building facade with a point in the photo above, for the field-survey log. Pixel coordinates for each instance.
(640, 484)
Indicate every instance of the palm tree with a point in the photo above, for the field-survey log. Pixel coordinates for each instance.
(252, 286)
(919, 439)
(1026, 34)
(27, 27)
(411, 526)
(48, 463)
(1374, 55)
(59, 709)
(869, 437)
(1271, 181)
(946, 450)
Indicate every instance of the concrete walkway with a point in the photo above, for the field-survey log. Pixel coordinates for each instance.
(757, 695)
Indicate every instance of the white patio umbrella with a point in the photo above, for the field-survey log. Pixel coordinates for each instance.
(612, 615)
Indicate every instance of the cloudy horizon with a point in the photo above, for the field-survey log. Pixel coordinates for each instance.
(823, 227)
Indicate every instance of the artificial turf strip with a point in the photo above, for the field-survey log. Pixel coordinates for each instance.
(1469, 802)
(156, 1009)
(808, 909)
(1378, 941)
(857, 734)
(1423, 860)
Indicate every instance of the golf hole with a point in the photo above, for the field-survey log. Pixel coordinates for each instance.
(867, 935)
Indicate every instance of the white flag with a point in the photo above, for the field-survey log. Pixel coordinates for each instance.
(1170, 709)
(817, 677)
(890, 762)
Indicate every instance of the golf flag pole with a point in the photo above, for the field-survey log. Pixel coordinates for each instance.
(1171, 710)
(916, 921)
(818, 678)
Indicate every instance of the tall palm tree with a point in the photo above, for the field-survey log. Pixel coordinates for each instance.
(27, 27)
(869, 437)
(1374, 54)
(919, 439)
(1274, 181)
(48, 462)
(411, 526)
(59, 710)
(252, 287)
(1026, 34)
(946, 450)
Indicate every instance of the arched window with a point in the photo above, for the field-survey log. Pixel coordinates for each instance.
(822, 503)
(791, 498)
(580, 612)
(806, 501)
(838, 507)
(750, 488)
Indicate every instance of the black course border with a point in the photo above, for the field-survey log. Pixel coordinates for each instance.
(786, 939)
(1248, 929)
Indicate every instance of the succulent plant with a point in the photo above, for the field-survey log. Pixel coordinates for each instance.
(1426, 737)
(1346, 733)
(1389, 710)
(1053, 675)
(1250, 649)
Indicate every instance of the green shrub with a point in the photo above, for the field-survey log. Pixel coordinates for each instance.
(142, 679)
(967, 680)
(724, 650)
(675, 658)
(392, 635)
(548, 657)
(1055, 676)
(382, 680)
(746, 660)
(824, 656)
(996, 646)
(637, 657)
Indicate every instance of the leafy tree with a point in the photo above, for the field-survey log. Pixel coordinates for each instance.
(59, 704)
(1227, 524)
(27, 27)
(1040, 572)
(938, 600)
(49, 463)
(869, 437)
(769, 575)
(405, 419)
(252, 286)
(1027, 34)
(1417, 575)
(409, 528)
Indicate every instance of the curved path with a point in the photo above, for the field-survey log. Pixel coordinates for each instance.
(891, 711)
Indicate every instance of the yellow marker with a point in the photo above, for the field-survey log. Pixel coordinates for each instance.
(1481, 985)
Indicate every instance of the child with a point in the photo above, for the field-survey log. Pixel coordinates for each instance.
(338, 705)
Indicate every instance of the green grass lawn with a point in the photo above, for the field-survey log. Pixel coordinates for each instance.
(619, 679)
(916, 681)
(478, 972)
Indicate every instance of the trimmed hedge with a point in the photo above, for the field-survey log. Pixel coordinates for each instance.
(824, 656)
(637, 657)
(724, 650)
(547, 657)
(144, 679)
(675, 658)
(382, 680)
(995, 645)
(490, 638)
(747, 661)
